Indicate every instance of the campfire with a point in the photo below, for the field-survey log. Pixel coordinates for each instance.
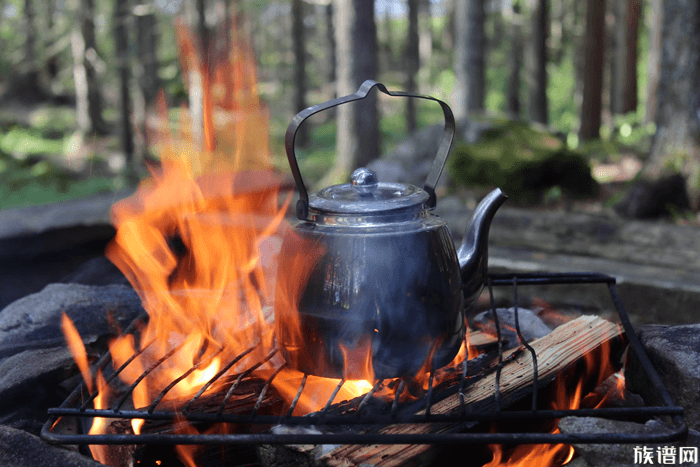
(200, 242)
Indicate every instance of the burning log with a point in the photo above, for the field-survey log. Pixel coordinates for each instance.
(559, 353)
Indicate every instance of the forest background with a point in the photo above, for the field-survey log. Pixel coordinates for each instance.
(611, 85)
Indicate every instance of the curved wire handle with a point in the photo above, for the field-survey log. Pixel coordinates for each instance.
(302, 207)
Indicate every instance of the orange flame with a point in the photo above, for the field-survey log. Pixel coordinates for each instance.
(598, 365)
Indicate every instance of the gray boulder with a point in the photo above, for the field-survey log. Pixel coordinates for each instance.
(675, 353)
(531, 326)
(622, 455)
(21, 449)
(35, 321)
(29, 385)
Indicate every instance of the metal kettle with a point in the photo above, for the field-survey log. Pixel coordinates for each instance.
(389, 275)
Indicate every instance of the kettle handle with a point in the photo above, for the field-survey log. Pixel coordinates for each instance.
(302, 208)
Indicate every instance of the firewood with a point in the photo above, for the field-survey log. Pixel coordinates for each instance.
(557, 353)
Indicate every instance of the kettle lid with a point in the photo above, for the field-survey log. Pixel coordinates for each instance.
(365, 195)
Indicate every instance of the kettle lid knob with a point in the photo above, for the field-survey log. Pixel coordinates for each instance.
(364, 181)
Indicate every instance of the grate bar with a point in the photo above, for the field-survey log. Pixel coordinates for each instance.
(374, 438)
(496, 321)
(221, 372)
(296, 398)
(368, 397)
(313, 419)
(335, 393)
(228, 395)
(144, 374)
(264, 390)
(523, 342)
(162, 394)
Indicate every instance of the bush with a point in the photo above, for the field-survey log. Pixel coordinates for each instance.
(524, 162)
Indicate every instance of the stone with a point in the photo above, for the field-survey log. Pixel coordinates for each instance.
(654, 198)
(620, 455)
(389, 171)
(35, 320)
(29, 385)
(96, 271)
(21, 449)
(531, 326)
(674, 352)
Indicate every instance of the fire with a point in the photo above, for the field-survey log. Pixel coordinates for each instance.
(571, 395)
(198, 242)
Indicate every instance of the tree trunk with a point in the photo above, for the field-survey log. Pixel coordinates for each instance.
(302, 137)
(449, 35)
(514, 60)
(412, 63)
(593, 70)
(634, 12)
(146, 69)
(676, 144)
(653, 60)
(619, 58)
(470, 89)
(121, 39)
(330, 39)
(31, 76)
(358, 140)
(536, 60)
(85, 57)
(425, 43)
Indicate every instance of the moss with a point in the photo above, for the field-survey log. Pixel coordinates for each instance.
(524, 162)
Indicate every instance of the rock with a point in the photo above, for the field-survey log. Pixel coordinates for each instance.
(654, 198)
(418, 147)
(620, 455)
(531, 326)
(35, 320)
(675, 353)
(97, 271)
(29, 385)
(21, 449)
(390, 171)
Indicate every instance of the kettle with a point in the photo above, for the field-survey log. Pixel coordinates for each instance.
(389, 276)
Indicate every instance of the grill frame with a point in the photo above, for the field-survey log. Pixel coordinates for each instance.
(461, 420)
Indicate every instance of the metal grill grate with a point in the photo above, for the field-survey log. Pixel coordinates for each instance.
(393, 412)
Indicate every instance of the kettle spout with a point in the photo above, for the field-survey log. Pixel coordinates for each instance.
(473, 253)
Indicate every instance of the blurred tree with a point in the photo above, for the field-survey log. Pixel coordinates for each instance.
(514, 21)
(121, 40)
(146, 67)
(624, 71)
(358, 140)
(86, 62)
(676, 145)
(593, 70)
(30, 75)
(425, 42)
(298, 40)
(470, 87)
(330, 44)
(412, 61)
(653, 59)
(536, 61)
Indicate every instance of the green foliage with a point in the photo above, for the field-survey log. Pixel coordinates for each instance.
(35, 181)
(528, 164)
(25, 142)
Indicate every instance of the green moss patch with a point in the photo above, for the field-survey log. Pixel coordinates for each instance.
(524, 162)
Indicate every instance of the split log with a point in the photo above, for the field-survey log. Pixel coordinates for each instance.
(557, 353)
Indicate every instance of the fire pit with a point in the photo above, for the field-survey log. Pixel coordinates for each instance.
(383, 413)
